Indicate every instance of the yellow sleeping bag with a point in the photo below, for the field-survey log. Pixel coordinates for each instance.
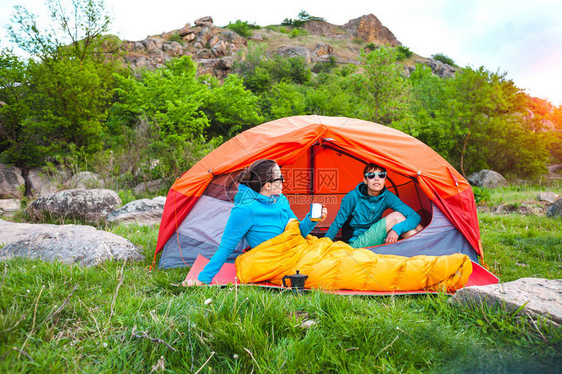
(336, 265)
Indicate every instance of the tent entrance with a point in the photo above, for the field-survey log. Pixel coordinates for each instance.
(326, 173)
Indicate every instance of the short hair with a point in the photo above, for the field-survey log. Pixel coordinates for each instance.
(372, 166)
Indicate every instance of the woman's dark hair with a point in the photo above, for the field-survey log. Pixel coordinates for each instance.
(258, 174)
(372, 166)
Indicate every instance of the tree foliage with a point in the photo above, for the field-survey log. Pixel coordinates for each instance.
(380, 90)
(66, 85)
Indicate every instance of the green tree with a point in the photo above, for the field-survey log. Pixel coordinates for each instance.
(69, 80)
(170, 99)
(429, 98)
(381, 92)
(283, 100)
(14, 91)
(260, 73)
(328, 95)
(229, 106)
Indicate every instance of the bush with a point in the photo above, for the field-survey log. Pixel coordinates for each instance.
(242, 28)
(403, 53)
(481, 194)
(175, 37)
(297, 32)
(444, 59)
(325, 66)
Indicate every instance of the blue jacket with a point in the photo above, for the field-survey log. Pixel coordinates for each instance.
(367, 210)
(255, 217)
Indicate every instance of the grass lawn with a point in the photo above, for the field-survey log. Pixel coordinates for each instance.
(120, 318)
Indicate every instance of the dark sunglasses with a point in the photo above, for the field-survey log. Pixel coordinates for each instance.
(373, 174)
(277, 179)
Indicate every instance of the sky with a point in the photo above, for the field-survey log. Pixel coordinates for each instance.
(522, 38)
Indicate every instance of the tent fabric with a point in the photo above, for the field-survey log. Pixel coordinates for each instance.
(336, 265)
(310, 151)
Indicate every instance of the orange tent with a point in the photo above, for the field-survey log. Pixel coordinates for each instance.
(322, 158)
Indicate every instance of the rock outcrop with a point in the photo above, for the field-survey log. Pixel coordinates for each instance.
(69, 244)
(371, 30)
(210, 46)
(91, 206)
(213, 48)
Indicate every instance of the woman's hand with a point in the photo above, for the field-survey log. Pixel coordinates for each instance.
(192, 282)
(324, 214)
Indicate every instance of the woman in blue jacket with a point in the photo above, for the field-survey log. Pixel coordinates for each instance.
(366, 204)
(261, 212)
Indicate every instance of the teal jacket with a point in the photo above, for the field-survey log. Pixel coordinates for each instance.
(257, 218)
(367, 210)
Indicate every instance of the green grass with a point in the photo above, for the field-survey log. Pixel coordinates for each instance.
(522, 246)
(121, 318)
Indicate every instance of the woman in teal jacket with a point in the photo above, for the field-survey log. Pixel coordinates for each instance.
(366, 204)
(261, 212)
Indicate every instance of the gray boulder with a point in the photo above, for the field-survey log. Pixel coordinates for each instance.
(68, 244)
(487, 178)
(42, 184)
(549, 197)
(142, 212)
(540, 297)
(90, 206)
(295, 52)
(12, 184)
(9, 206)
(555, 209)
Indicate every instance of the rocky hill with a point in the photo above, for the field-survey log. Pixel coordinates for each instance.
(215, 48)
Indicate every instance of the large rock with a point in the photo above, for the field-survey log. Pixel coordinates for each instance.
(66, 243)
(295, 52)
(142, 212)
(536, 297)
(549, 197)
(90, 206)
(43, 184)
(555, 209)
(12, 184)
(8, 207)
(487, 178)
(439, 68)
(206, 21)
(371, 30)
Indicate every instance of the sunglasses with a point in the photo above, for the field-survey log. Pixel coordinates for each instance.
(277, 179)
(373, 174)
